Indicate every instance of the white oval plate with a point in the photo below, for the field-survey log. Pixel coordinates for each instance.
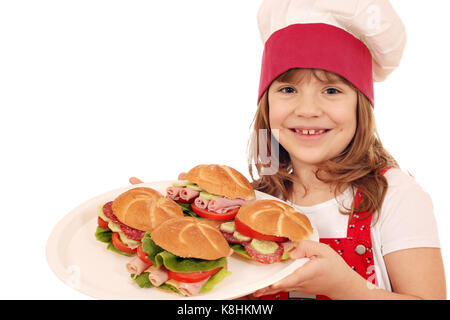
(82, 262)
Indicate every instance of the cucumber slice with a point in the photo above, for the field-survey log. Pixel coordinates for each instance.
(207, 196)
(228, 227)
(241, 237)
(264, 246)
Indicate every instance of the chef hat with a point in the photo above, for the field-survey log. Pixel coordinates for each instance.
(361, 40)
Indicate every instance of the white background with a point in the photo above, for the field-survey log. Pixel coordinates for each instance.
(93, 92)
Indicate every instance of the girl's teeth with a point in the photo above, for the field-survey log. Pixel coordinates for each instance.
(309, 132)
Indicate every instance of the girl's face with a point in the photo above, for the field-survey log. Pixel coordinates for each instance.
(316, 119)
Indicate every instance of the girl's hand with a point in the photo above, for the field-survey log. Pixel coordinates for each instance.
(134, 180)
(326, 273)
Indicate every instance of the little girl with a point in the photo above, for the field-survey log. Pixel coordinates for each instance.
(378, 235)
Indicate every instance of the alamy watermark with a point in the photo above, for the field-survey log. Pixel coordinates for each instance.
(74, 276)
(374, 17)
(269, 163)
(372, 282)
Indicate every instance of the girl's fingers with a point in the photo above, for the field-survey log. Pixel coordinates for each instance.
(262, 291)
(293, 281)
(309, 249)
(306, 272)
(134, 180)
(270, 290)
(306, 249)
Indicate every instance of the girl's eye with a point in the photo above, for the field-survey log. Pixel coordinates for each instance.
(287, 90)
(332, 91)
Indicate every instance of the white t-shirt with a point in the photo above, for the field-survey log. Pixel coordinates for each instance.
(406, 220)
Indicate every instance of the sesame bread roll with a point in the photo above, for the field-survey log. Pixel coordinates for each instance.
(189, 237)
(144, 208)
(221, 180)
(275, 218)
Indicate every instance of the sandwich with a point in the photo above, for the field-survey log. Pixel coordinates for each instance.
(184, 255)
(122, 223)
(212, 191)
(266, 230)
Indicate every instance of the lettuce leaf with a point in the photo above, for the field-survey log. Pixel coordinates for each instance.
(158, 256)
(103, 235)
(178, 264)
(169, 287)
(215, 279)
(239, 249)
(187, 210)
(142, 280)
(150, 247)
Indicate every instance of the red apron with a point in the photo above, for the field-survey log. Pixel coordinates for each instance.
(356, 248)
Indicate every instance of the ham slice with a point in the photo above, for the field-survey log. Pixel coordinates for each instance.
(136, 266)
(201, 203)
(188, 193)
(174, 192)
(189, 289)
(222, 205)
(157, 276)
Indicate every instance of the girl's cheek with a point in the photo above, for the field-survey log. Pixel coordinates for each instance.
(272, 119)
(344, 116)
(276, 116)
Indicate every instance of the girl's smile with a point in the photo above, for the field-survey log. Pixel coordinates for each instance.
(309, 134)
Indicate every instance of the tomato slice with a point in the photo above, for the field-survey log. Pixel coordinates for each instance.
(249, 232)
(102, 223)
(143, 255)
(119, 245)
(214, 215)
(185, 201)
(191, 277)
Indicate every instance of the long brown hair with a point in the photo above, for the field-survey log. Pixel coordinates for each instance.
(358, 166)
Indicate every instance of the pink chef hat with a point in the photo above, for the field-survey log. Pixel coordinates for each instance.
(361, 40)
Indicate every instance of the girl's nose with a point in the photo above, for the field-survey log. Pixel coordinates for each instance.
(307, 106)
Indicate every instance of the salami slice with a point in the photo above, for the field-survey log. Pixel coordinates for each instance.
(133, 234)
(130, 232)
(107, 210)
(264, 258)
(231, 239)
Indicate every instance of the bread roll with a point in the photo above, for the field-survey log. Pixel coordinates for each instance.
(275, 218)
(222, 181)
(144, 208)
(189, 237)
